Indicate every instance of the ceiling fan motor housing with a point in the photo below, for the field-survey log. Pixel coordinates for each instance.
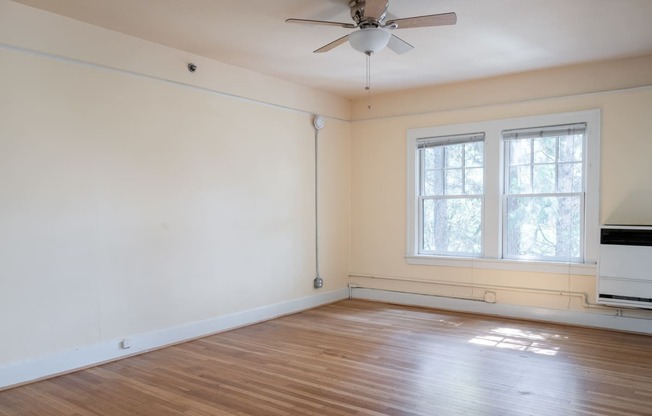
(358, 15)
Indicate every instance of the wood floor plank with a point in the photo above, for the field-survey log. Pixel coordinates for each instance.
(364, 358)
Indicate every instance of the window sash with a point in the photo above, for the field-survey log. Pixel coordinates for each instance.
(532, 164)
(456, 253)
(581, 230)
(466, 182)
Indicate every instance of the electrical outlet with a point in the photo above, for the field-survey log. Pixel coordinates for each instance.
(125, 344)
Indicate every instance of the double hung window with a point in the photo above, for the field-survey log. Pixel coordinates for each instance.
(519, 191)
(451, 188)
(544, 193)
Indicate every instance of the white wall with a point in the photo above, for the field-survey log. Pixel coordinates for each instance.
(136, 199)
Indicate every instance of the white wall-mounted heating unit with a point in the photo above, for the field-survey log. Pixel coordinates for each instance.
(625, 266)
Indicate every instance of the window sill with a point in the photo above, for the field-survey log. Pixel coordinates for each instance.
(585, 269)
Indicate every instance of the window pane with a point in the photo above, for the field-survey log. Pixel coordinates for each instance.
(438, 157)
(570, 177)
(545, 149)
(474, 154)
(578, 175)
(427, 156)
(544, 180)
(519, 152)
(433, 157)
(452, 226)
(544, 227)
(473, 181)
(432, 182)
(570, 148)
(428, 215)
(453, 182)
(578, 147)
(519, 180)
(454, 154)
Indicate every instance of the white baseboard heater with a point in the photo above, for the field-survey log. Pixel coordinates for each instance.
(625, 266)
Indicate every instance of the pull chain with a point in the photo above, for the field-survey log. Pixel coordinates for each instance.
(368, 86)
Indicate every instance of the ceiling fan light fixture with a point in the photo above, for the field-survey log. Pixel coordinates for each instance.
(370, 40)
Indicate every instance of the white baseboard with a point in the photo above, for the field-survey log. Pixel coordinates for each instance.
(32, 370)
(613, 321)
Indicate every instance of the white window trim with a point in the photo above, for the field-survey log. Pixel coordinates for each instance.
(492, 215)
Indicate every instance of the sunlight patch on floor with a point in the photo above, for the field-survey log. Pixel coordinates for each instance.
(519, 340)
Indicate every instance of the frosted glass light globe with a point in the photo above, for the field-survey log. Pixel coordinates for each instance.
(369, 40)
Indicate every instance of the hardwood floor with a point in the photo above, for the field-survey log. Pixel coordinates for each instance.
(363, 358)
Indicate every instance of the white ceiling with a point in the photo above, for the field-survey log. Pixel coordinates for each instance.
(491, 37)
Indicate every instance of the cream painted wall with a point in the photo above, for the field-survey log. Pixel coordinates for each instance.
(136, 196)
(588, 78)
(622, 90)
(32, 29)
(134, 201)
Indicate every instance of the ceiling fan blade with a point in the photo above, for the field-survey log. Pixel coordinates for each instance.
(442, 19)
(375, 9)
(390, 16)
(398, 45)
(332, 45)
(322, 22)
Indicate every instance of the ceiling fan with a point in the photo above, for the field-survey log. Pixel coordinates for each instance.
(373, 33)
